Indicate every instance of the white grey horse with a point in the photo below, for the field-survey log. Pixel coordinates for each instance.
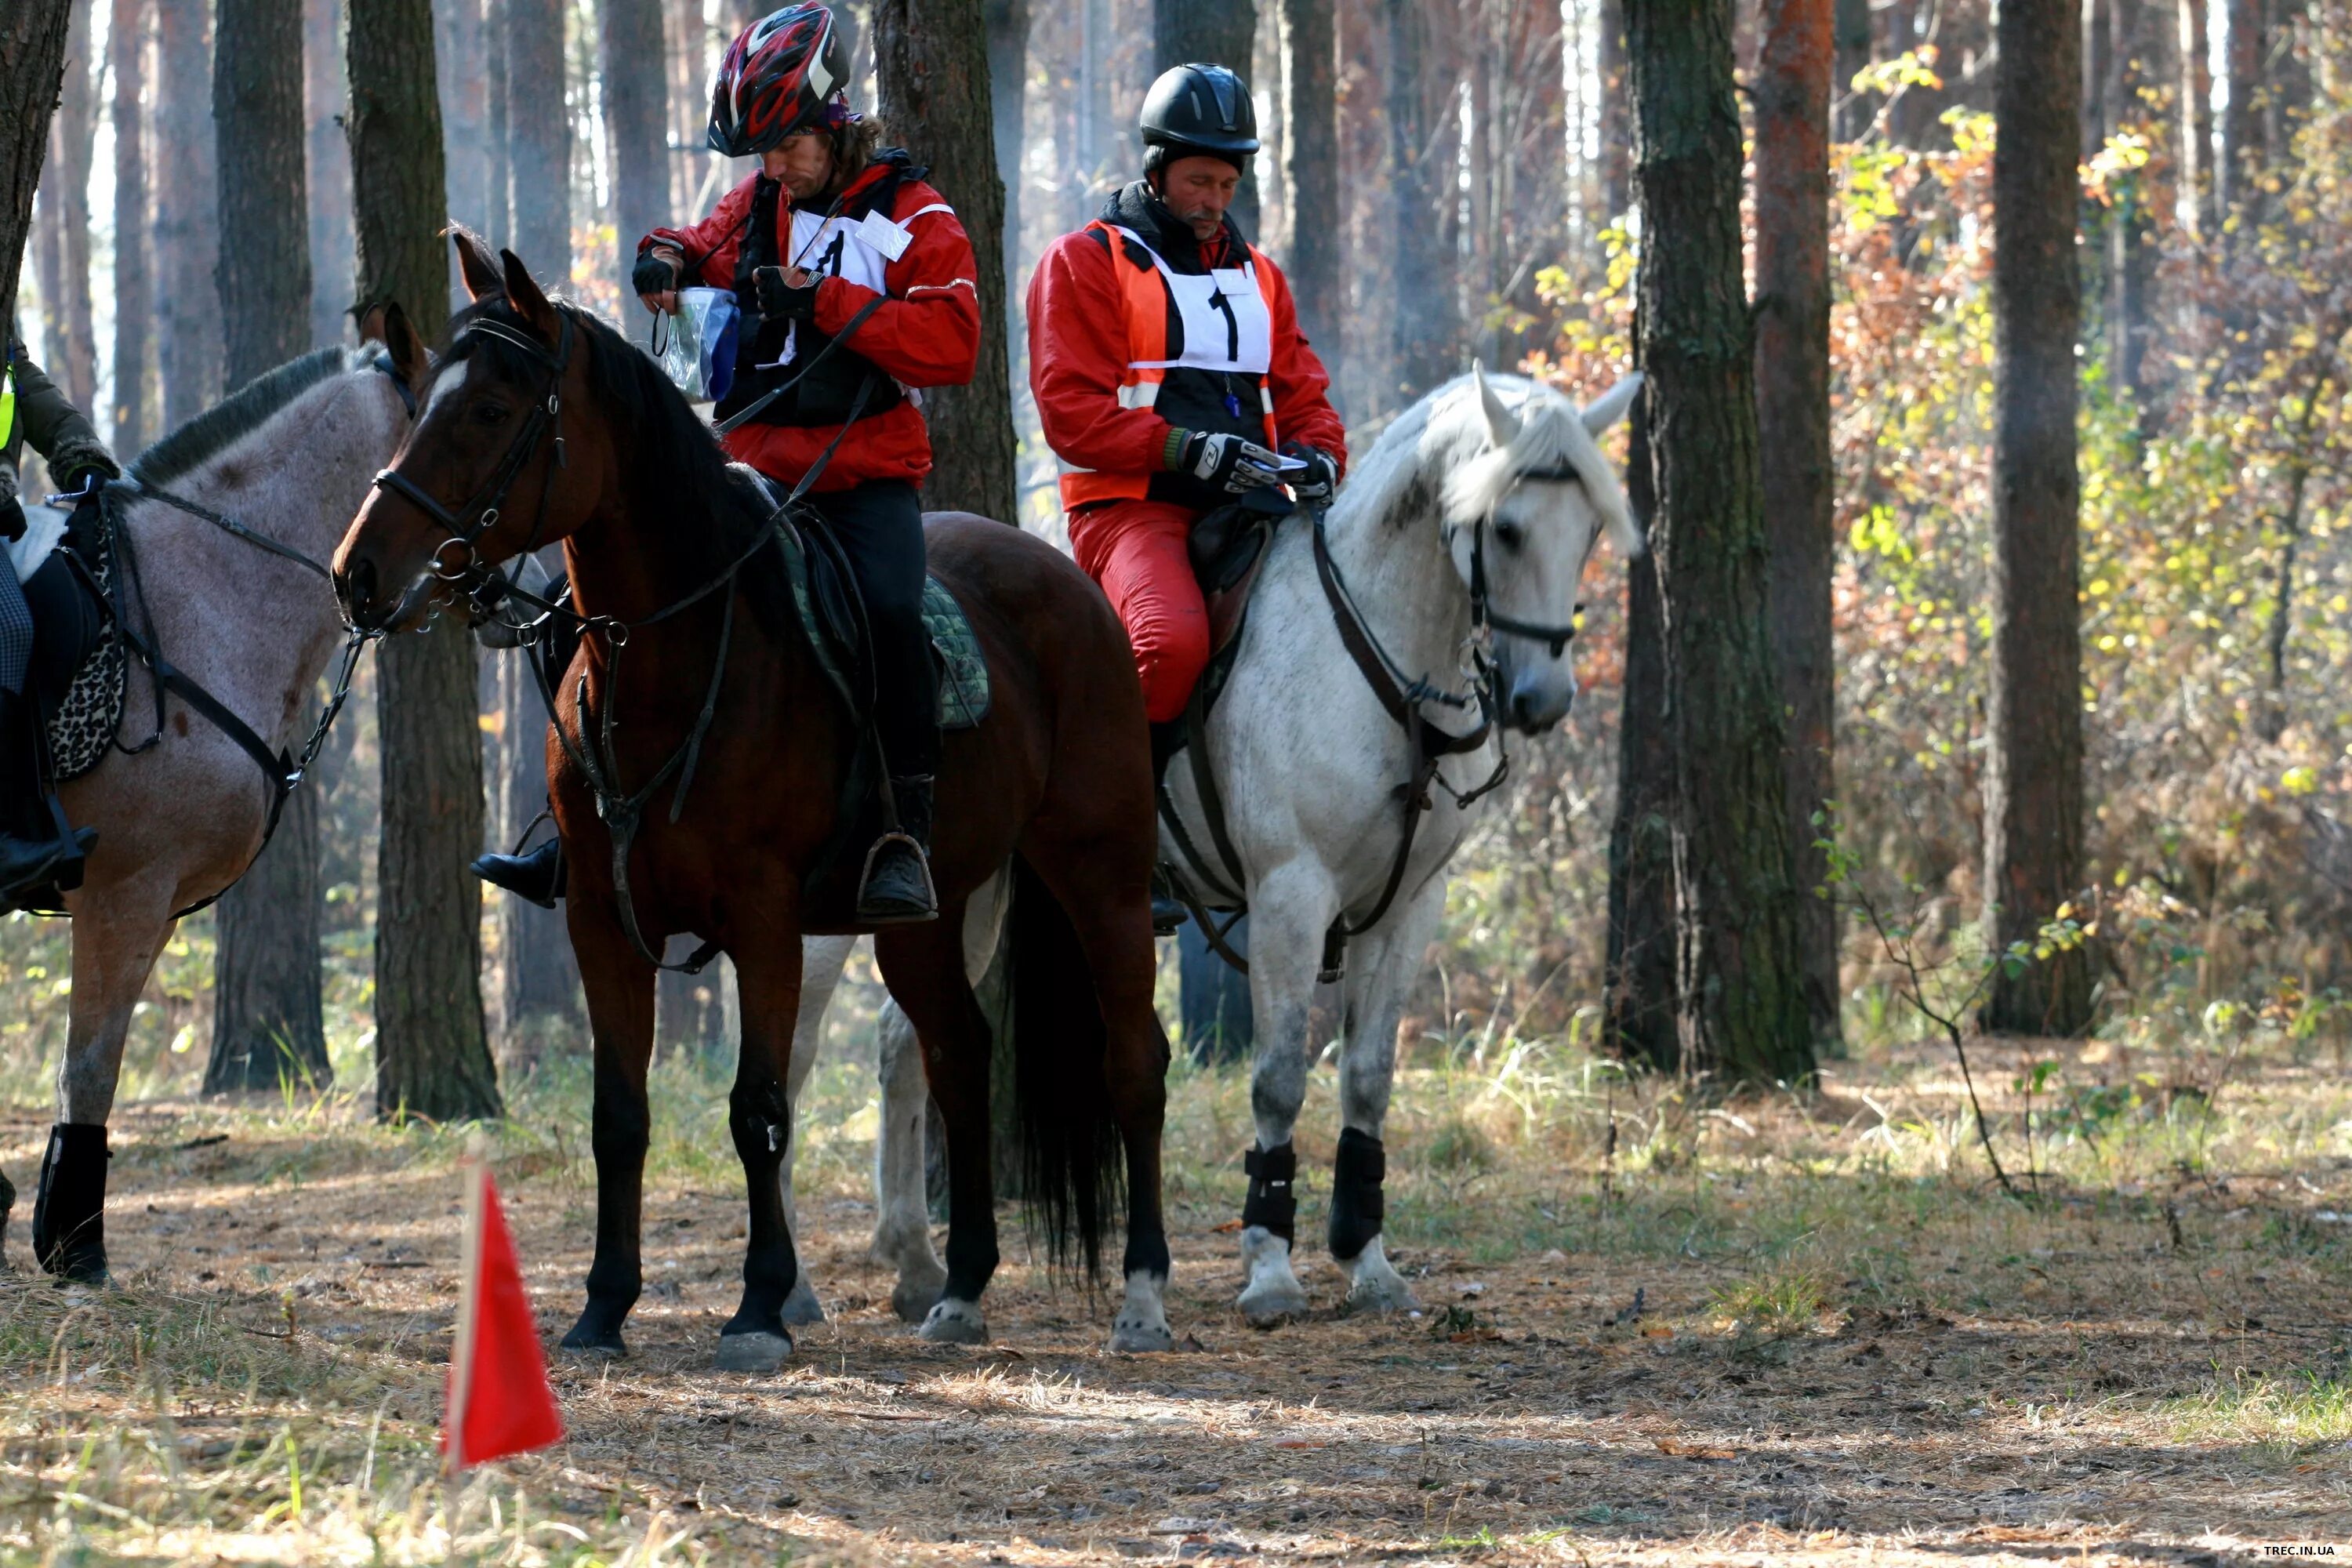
(1309, 762)
(288, 456)
(1458, 542)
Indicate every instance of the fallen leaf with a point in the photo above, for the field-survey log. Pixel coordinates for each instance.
(1307, 1443)
(1682, 1450)
(1227, 1229)
(1657, 1332)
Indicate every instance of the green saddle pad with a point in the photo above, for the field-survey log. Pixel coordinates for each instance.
(964, 673)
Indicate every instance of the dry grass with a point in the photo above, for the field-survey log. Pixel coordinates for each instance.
(1849, 1348)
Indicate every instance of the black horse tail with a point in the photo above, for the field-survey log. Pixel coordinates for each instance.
(1072, 1168)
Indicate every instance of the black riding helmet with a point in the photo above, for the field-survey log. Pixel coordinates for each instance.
(1198, 110)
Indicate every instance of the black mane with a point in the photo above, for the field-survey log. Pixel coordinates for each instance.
(678, 474)
(243, 412)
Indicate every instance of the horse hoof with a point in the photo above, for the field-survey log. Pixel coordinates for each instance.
(1140, 1336)
(1382, 1293)
(586, 1342)
(1273, 1304)
(754, 1353)
(802, 1307)
(954, 1322)
(913, 1299)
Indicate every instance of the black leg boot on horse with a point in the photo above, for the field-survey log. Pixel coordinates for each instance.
(69, 1209)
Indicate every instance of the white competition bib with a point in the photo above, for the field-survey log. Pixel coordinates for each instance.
(835, 247)
(1227, 324)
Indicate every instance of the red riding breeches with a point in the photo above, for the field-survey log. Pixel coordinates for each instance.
(1135, 548)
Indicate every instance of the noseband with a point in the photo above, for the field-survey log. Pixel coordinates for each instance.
(460, 566)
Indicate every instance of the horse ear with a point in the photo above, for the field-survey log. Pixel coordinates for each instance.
(523, 293)
(479, 266)
(388, 324)
(1611, 405)
(1502, 425)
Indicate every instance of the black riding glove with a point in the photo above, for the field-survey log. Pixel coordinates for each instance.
(12, 519)
(780, 301)
(1229, 462)
(1322, 475)
(653, 275)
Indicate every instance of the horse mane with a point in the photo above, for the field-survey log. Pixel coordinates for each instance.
(679, 472)
(247, 409)
(1435, 458)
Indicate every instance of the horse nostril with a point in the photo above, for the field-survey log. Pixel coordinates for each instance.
(357, 585)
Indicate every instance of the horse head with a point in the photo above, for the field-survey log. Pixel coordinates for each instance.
(507, 453)
(1527, 496)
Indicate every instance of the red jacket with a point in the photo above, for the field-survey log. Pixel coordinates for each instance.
(926, 334)
(1078, 356)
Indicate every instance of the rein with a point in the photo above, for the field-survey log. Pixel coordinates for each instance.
(1403, 701)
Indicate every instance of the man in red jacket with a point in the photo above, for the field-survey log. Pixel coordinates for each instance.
(1169, 370)
(855, 283)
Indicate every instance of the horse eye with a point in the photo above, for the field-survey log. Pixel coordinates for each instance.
(1510, 535)
(491, 414)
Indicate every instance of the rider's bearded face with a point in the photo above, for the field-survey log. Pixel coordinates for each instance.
(804, 163)
(1199, 190)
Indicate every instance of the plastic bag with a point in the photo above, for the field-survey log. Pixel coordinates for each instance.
(699, 355)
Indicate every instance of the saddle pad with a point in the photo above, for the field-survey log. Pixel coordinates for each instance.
(44, 526)
(84, 725)
(964, 673)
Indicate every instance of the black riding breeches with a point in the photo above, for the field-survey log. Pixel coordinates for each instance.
(880, 526)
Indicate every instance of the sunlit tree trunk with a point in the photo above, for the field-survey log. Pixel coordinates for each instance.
(629, 40)
(931, 62)
(2195, 94)
(2034, 774)
(187, 216)
(1209, 32)
(1739, 995)
(2239, 176)
(72, 340)
(1792, 88)
(133, 287)
(432, 1053)
(1422, 213)
(329, 173)
(1311, 150)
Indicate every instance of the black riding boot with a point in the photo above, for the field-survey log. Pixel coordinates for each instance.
(1168, 912)
(37, 850)
(897, 888)
(536, 874)
(69, 1209)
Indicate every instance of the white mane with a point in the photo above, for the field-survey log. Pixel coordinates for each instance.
(1438, 459)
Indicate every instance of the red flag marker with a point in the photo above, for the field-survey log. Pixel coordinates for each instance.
(497, 1401)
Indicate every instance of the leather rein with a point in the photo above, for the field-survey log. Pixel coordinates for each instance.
(1403, 701)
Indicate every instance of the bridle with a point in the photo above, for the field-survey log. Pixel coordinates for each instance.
(1482, 613)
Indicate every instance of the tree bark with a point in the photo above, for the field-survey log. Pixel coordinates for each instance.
(133, 285)
(72, 339)
(329, 173)
(1739, 995)
(2196, 121)
(2034, 774)
(32, 70)
(629, 40)
(931, 62)
(1310, 149)
(2239, 176)
(539, 978)
(459, 48)
(432, 1052)
(1616, 114)
(1639, 984)
(1792, 89)
(1428, 319)
(1008, 94)
(1852, 56)
(187, 216)
(266, 1019)
(498, 214)
(539, 139)
(264, 277)
(1209, 32)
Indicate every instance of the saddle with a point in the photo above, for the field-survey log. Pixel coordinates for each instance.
(66, 563)
(1228, 547)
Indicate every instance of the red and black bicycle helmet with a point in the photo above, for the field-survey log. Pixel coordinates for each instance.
(785, 74)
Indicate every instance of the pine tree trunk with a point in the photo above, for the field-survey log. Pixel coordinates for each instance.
(264, 275)
(329, 173)
(133, 285)
(1792, 88)
(2239, 176)
(1428, 319)
(1616, 113)
(1311, 150)
(1640, 980)
(187, 216)
(432, 1052)
(1008, 92)
(266, 1019)
(32, 68)
(498, 216)
(539, 980)
(635, 99)
(539, 139)
(2033, 771)
(1209, 32)
(931, 62)
(1740, 1005)
(66, 325)
(1852, 56)
(2195, 110)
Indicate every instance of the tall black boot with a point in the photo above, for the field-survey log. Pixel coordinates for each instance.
(535, 874)
(69, 1208)
(36, 848)
(897, 887)
(1168, 910)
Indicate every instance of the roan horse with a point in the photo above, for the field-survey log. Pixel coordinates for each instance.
(540, 424)
(1348, 773)
(287, 457)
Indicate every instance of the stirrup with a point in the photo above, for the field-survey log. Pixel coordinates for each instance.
(867, 913)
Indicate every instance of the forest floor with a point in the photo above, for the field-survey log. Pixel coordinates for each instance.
(1655, 1329)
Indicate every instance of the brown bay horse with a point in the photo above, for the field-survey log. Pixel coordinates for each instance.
(695, 677)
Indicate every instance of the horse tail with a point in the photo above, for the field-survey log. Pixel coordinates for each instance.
(1072, 1167)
